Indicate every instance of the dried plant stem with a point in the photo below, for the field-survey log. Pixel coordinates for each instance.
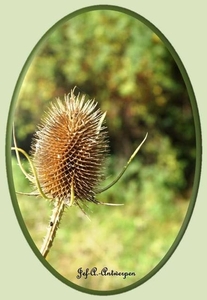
(55, 222)
(53, 227)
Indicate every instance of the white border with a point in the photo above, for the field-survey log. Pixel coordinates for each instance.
(23, 23)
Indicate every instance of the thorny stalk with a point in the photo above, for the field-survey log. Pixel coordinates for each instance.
(53, 227)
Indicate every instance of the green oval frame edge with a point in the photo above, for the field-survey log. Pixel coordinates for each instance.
(198, 150)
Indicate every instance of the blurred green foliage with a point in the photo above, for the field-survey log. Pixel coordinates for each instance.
(125, 66)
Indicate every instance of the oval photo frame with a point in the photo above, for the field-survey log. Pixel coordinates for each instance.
(139, 224)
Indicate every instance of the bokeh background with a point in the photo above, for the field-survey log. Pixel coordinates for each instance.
(125, 66)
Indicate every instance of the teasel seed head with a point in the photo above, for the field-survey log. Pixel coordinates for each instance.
(69, 150)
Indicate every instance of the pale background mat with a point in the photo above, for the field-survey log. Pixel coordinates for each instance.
(23, 23)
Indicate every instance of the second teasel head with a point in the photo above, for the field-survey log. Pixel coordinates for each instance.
(69, 149)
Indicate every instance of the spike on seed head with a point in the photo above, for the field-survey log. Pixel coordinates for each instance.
(70, 148)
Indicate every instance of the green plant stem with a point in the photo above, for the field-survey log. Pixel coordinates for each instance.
(53, 227)
(124, 169)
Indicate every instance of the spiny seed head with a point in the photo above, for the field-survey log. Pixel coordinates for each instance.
(70, 148)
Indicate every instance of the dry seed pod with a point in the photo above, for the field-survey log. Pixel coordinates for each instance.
(69, 150)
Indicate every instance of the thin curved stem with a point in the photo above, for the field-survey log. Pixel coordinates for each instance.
(124, 169)
(30, 178)
(28, 194)
(33, 171)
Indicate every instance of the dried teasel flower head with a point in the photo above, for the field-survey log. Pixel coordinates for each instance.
(69, 150)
